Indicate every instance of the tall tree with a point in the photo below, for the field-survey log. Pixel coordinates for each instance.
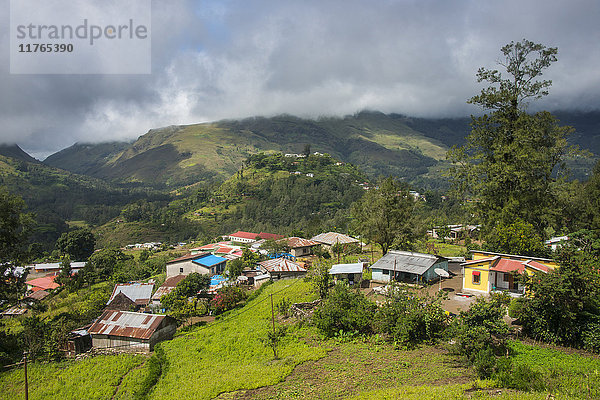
(14, 230)
(385, 215)
(78, 244)
(512, 159)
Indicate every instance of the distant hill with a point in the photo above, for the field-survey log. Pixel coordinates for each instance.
(59, 198)
(84, 158)
(380, 144)
(15, 152)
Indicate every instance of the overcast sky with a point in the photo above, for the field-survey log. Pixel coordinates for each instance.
(229, 59)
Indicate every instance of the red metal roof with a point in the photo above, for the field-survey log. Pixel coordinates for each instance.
(44, 283)
(295, 242)
(224, 250)
(538, 266)
(126, 324)
(281, 265)
(269, 236)
(505, 265)
(244, 235)
(167, 287)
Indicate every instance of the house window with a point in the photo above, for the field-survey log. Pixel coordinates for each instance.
(385, 272)
(476, 277)
(506, 278)
(181, 270)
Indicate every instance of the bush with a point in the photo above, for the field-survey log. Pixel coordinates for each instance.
(345, 310)
(226, 299)
(408, 319)
(591, 338)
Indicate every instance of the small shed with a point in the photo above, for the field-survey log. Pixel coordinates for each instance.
(140, 293)
(78, 341)
(279, 268)
(352, 273)
(408, 267)
(167, 287)
(131, 330)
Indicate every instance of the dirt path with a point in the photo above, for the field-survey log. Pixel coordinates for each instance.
(123, 377)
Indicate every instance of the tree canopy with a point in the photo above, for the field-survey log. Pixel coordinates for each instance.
(78, 244)
(385, 215)
(512, 160)
(14, 231)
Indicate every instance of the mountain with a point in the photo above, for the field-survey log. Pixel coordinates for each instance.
(379, 144)
(84, 158)
(413, 149)
(59, 198)
(15, 152)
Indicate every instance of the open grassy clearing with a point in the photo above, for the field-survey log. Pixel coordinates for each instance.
(230, 354)
(92, 378)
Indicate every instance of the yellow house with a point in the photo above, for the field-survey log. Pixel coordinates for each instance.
(489, 272)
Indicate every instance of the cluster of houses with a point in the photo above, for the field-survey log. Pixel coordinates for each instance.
(128, 322)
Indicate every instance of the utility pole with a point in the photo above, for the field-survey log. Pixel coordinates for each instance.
(25, 367)
(274, 343)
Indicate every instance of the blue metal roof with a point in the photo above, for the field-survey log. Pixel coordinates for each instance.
(210, 260)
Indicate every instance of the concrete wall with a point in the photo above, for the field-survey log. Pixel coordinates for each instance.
(185, 268)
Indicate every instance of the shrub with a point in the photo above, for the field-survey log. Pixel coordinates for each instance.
(345, 310)
(408, 319)
(226, 299)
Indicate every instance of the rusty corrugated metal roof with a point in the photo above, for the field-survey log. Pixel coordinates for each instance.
(281, 265)
(295, 242)
(331, 238)
(126, 324)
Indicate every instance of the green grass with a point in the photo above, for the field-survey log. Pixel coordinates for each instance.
(91, 378)
(230, 355)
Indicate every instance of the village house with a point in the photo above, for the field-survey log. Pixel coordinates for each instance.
(489, 272)
(43, 283)
(204, 264)
(167, 287)
(408, 267)
(300, 247)
(280, 268)
(55, 267)
(331, 238)
(351, 273)
(456, 232)
(126, 330)
(249, 237)
(138, 293)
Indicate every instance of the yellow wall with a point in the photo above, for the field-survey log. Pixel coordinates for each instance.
(484, 276)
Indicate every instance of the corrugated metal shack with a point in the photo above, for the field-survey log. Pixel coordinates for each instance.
(281, 267)
(409, 267)
(126, 330)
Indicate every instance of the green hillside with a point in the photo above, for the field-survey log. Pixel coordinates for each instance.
(57, 197)
(380, 144)
(180, 155)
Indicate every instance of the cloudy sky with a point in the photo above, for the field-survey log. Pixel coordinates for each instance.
(237, 58)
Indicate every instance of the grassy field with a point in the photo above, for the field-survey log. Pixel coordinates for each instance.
(228, 359)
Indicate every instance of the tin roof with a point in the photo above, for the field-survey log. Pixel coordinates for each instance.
(140, 293)
(331, 238)
(295, 242)
(281, 265)
(406, 261)
(126, 324)
(209, 260)
(356, 268)
(44, 283)
(244, 235)
(57, 265)
(507, 265)
(269, 236)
